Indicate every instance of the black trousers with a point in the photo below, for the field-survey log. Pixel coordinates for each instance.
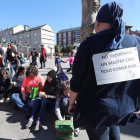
(70, 68)
(42, 60)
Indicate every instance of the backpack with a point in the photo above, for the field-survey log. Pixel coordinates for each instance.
(64, 129)
(62, 76)
(23, 61)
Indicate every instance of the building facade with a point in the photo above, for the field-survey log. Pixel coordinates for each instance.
(69, 36)
(72, 36)
(30, 37)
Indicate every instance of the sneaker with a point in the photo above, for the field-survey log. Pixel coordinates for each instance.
(76, 132)
(37, 127)
(40, 68)
(2, 99)
(30, 123)
(7, 100)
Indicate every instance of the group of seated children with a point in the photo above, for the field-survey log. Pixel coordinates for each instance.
(51, 94)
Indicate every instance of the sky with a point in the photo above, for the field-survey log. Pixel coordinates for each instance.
(59, 14)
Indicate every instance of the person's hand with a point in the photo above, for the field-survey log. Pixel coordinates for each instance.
(71, 109)
(137, 112)
(44, 96)
(24, 97)
(40, 84)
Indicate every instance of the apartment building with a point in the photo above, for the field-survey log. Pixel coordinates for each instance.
(69, 36)
(30, 37)
(72, 36)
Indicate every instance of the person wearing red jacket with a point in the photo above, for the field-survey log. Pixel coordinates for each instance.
(42, 56)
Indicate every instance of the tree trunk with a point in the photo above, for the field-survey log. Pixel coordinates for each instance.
(89, 12)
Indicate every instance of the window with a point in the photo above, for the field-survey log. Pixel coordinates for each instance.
(69, 34)
(20, 37)
(69, 40)
(10, 32)
(76, 33)
(64, 41)
(24, 36)
(11, 40)
(35, 43)
(35, 34)
(65, 46)
(59, 35)
(59, 41)
(27, 35)
(6, 33)
(28, 44)
(64, 35)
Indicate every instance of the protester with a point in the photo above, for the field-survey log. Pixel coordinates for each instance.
(34, 55)
(19, 78)
(58, 63)
(20, 57)
(43, 56)
(10, 56)
(5, 84)
(32, 79)
(71, 59)
(101, 108)
(51, 89)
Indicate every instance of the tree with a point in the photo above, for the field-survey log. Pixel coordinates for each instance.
(89, 12)
(58, 48)
(69, 47)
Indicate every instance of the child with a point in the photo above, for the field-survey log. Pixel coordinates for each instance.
(47, 99)
(58, 63)
(63, 100)
(71, 59)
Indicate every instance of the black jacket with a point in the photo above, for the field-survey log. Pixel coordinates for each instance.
(5, 82)
(9, 54)
(102, 105)
(34, 55)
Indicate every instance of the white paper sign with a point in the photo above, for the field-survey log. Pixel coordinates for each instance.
(116, 66)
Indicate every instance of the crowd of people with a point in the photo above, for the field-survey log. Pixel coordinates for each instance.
(101, 108)
(51, 93)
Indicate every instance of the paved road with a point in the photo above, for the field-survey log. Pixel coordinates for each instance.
(12, 122)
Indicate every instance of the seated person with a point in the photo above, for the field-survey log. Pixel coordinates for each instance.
(5, 84)
(32, 79)
(62, 101)
(18, 79)
(51, 89)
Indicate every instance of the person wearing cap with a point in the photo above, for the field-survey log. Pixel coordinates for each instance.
(34, 55)
(47, 100)
(102, 108)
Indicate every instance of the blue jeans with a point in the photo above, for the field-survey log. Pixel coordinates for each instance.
(17, 99)
(34, 62)
(104, 133)
(13, 68)
(43, 104)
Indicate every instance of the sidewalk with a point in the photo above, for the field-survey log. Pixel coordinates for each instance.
(12, 122)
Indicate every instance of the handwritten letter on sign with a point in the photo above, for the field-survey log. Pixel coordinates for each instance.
(116, 66)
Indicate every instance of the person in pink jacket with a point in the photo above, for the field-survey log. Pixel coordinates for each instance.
(71, 59)
(32, 79)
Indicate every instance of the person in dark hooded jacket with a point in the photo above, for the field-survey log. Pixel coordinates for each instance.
(101, 108)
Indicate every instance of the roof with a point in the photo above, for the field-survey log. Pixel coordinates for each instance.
(70, 29)
(30, 29)
(9, 28)
(128, 26)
